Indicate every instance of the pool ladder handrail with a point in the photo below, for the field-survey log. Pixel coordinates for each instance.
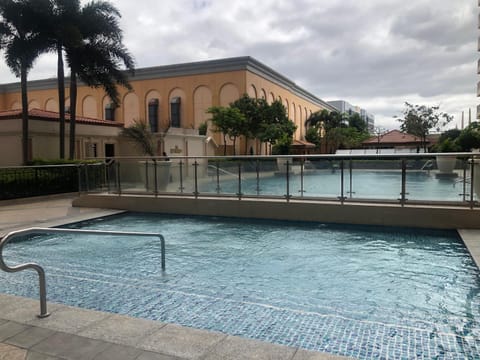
(41, 273)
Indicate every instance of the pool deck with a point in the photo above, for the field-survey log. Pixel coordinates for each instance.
(74, 333)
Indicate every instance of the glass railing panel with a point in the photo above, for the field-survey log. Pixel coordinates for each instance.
(374, 179)
(219, 176)
(182, 175)
(319, 178)
(445, 178)
(133, 176)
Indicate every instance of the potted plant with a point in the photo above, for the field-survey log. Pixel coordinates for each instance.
(282, 147)
(139, 133)
(446, 163)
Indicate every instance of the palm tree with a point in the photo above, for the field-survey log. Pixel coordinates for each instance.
(22, 41)
(94, 53)
(60, 27)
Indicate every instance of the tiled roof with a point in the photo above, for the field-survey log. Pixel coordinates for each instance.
(38, 114)
(303, 143)
(394, 137)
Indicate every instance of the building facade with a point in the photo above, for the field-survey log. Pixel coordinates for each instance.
(173, 99)
(345, 107)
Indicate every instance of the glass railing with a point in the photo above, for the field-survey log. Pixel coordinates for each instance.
(402, 179)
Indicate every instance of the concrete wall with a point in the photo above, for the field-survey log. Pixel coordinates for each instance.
(387, 215)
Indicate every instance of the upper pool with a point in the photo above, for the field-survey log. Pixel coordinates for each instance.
(365, 292)
(362, 184)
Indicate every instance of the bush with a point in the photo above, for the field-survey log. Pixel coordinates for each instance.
(469, 138)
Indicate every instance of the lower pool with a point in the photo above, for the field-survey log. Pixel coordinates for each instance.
(364, 292)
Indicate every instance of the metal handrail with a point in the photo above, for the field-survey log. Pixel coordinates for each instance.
(41, 273)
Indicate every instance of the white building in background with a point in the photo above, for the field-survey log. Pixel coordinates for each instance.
(347, 108)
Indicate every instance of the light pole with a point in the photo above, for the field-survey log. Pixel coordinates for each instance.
(379, 132)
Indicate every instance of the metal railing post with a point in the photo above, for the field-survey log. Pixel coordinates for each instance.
(195, 165)
(87, 187)
(472, 182)
(218, 178)
(403, 190)
(287, 173)
(79, 176)
(350, 169)
(239, 193)
(146, 176)
(342, 181)
(302, 166)
(118, 180)
(180, 169)
(257, 169)
(155, 180)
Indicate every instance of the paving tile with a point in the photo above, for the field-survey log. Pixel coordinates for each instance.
(122, 330)
(33, 355)
(31, 336)
(21, 309)
(9, 329)
(118, 352)
(313, 355)
(71, 347)
(9, 352)
(69, 319)
(235, 348)
(147, 355)
(181, 341)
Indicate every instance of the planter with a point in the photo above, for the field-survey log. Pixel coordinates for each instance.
(282, 164)
(147, 174)
(446, 164)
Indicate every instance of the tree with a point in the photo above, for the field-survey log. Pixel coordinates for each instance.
(355, 121)
(22, 42)
(61, 28)
(326, 122)
(228, 121)
(141, 135)
(253, 110)
(469, 138)
(276, 126)
(94, 52)
(418, 120)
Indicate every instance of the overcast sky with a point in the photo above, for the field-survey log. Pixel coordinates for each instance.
(376, 54)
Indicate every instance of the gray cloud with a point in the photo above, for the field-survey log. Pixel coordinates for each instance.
(374, 53)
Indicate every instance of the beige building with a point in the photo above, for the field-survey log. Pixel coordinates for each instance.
(172, 98)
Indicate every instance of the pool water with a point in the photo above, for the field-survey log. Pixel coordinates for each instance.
(366, 184)
(365, 292)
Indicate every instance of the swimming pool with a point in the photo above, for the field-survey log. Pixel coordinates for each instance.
(365, 292)
(365, 184)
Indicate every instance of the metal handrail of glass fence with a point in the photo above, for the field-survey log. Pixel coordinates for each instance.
(41, 272)
(239, 193)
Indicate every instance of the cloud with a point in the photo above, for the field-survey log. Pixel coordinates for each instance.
(376, 54)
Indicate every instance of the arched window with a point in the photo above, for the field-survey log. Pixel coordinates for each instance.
(110, 112)
(175, 103)
(153, 114)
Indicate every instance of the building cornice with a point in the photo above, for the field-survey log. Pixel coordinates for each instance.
(245, 63)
